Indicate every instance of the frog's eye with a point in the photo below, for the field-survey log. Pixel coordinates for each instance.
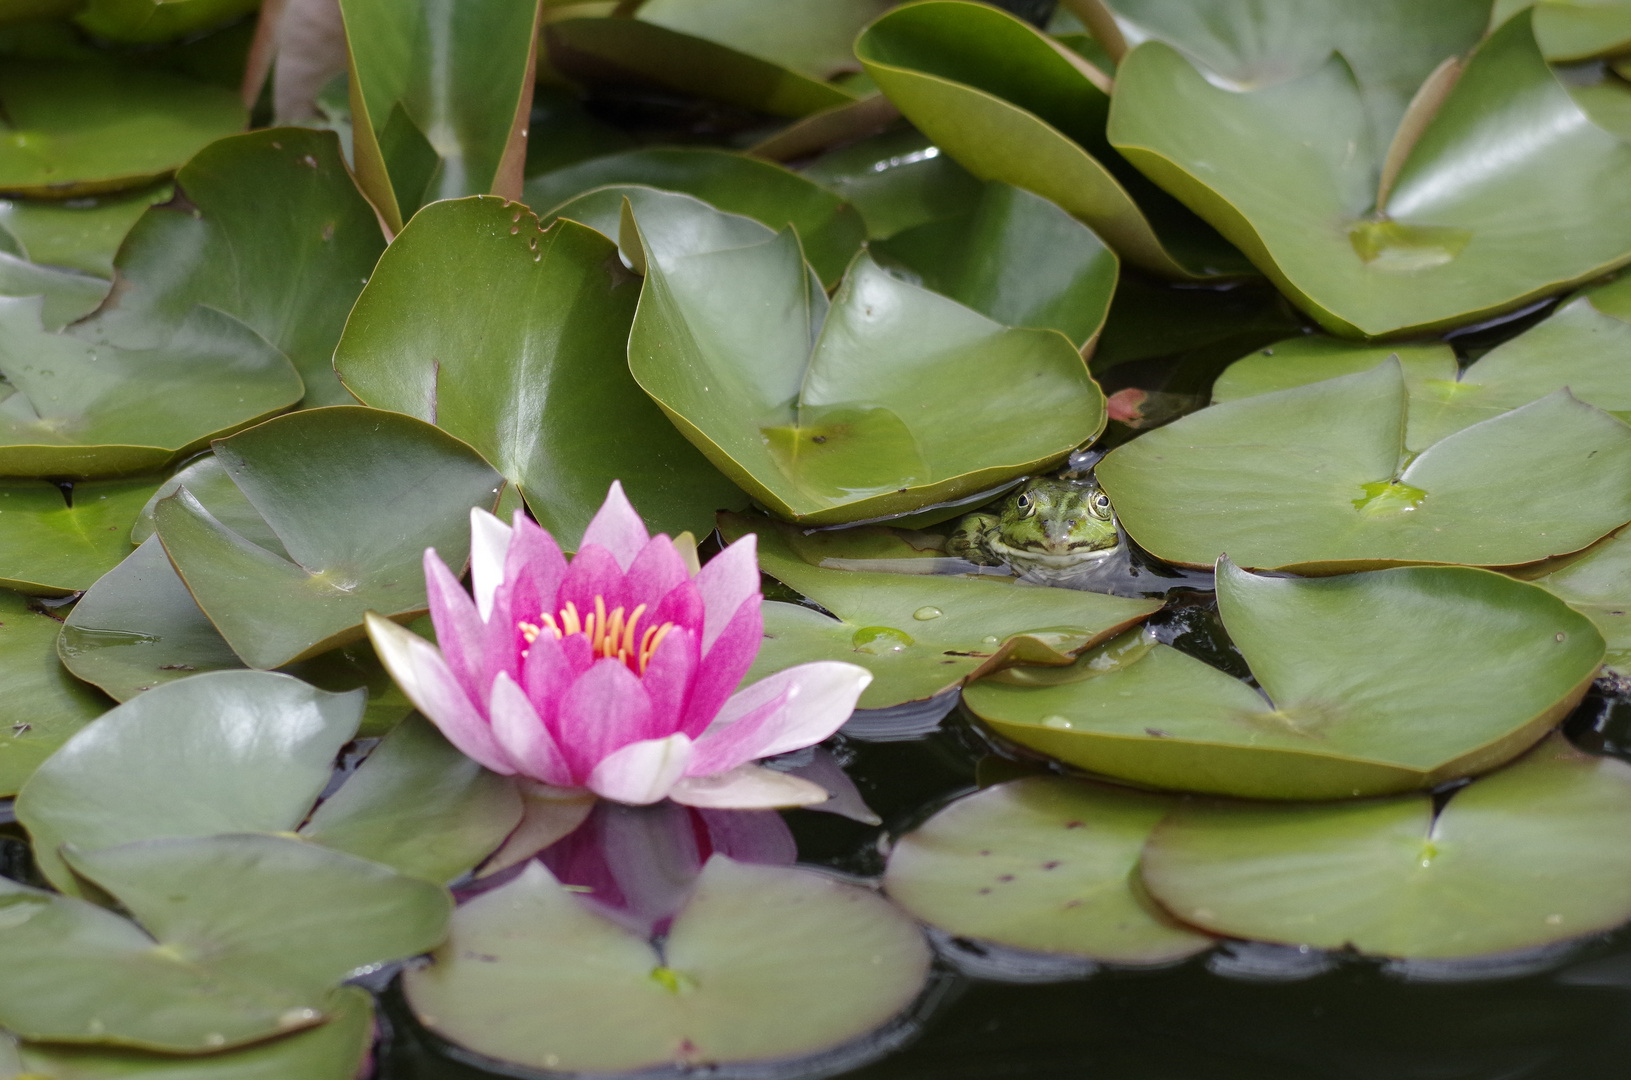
(1025, 504)
(1101, 503)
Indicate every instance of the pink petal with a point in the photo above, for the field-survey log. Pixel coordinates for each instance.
(723, 667)
(726, 582)
(546, 673)
(489, 541)
(747, 787)
(460, 631)
(533, 571)
(668, 678)
(642, 772)
(617, 528)
(786, 711)
(682, 607)
(593, 572)
(751, 836)
(522, 735)
(655, 572)
(603, 711)
(424, 676)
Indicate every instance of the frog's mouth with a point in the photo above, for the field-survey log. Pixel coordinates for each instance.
(1059, 556)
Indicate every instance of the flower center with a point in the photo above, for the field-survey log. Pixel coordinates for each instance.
(610, 635)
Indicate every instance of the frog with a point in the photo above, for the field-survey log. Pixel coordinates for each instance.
(1049, 530)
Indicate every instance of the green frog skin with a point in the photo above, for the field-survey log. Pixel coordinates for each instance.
(1048, 530)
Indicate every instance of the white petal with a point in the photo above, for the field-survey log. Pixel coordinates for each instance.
(820, 697)
(489, 540)
(726, 582)
(617, 527)
(747, 787)
(641, 772)
(418, 668)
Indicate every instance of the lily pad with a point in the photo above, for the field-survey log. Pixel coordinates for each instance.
(1598, 585)
(1579, 347)
(1371, 684)
(1573, 29)
(1317, 479)
(82, 236)
(107, 409)
(1015, 258)
(84, 128)
(269, 229)
(773, 61)
(831, 229)
(920, 635)
(44, 704)
(211, 484)
(334, 1050)
(68, 295)
(439, 99)
(762, 963)
(893, 399)
(1009, 103)
(356, 495)
(55, 543)
(513, 339)
(226, 752)
(1524, 857)
(235, 939)
(1043, 864)
(1293, 174)
(896, 180)
(147, 22)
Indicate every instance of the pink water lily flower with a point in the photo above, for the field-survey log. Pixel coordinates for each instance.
(616, 672)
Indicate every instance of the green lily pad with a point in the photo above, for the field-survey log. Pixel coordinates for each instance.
(271, 230)
(892, 399)
(1011, 104)
(356, 495)
(763, 962)
(68, 295)
(106, 409)
(513, 340)
(226, 752)
(831, 229)
(1573, 29)
(84, 128)
(1372, 683)
(44, 704)
(1292, 174)
(1043, 864)
(1015, 258)
(147, 22)
(211, 484)
(334, 1050)
(1524, 857)
(418, 806)
(82, 235)
(896, 180)
(1317, 478)
(1579, 348)
(235, 939)
(1598, 585)
(920, 635)
(439, 99)
(53, 546)
(772, 61)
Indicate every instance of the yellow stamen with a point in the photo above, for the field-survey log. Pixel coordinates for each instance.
(530, 632)
(610, 635)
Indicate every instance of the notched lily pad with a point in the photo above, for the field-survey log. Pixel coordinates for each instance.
(891, 399)
(917, 634)
(54, 542)
(1043, 864)
(1521, 858)
(1371, 683)
(355, 495)
(1598, 585)
(1317, 478)
(763, 963)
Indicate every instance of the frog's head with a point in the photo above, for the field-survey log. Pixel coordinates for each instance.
(1060, 518)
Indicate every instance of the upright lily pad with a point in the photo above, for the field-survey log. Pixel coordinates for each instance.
(84, 408)
(1043, 864)
(831, 229)
(79, 128)
(1011, 104)
(1015, 258)
(1579, 347)
(1573, 29)
(44, 704)
(228, 752)
(235, 939)
(1290, 173)
(270, 229)
(1318, 477)
(1598, 585)
(53, 542)
(1372, 683)
(439, 98)
(333, 1050)
(763, 963)
(513, 339)
(1524, 857)
(894, 399)
(920, 635)
(82, 234)
(896, 180)
(356, 495)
